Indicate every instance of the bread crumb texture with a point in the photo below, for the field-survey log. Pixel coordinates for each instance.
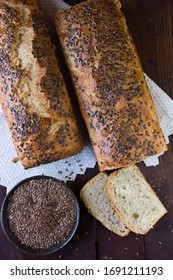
(134, 200)
(97, 203)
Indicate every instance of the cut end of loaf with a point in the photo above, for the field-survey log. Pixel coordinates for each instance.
(134, 200)
(98, 205)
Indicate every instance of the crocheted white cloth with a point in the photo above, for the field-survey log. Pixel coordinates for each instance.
(164, 108)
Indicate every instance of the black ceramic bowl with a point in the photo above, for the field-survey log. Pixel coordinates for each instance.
(12, 237)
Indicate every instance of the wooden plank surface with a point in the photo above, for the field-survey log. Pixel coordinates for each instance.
(151, 25)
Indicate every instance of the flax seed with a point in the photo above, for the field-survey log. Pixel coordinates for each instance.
(41, 213)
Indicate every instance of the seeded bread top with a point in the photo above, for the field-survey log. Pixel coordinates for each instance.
(109, 82)
(34, 96)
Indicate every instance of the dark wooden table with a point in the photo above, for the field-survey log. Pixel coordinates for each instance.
(151, 25)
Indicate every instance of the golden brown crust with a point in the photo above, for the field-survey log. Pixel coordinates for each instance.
(109, 82)
(35, 99)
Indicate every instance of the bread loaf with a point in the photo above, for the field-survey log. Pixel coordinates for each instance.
(112, 92)
(97, 203)
(34, 96)
(134, 199)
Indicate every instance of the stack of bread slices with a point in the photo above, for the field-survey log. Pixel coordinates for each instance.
(123, 201)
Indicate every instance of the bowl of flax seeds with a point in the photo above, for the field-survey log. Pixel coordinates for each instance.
(40, 215)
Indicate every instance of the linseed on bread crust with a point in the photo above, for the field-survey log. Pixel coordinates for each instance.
(112, 92)
(34, 97)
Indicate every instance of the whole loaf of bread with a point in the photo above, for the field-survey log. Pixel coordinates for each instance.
(34, 97)
(112, 92)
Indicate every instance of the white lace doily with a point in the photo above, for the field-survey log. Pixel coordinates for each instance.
(67, 169)
(164, 108)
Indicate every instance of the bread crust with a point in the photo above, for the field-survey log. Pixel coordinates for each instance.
(112, 92)
(128, 224)
(34, 97)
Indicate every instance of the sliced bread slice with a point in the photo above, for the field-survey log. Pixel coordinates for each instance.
(134, 200)
(95, 198)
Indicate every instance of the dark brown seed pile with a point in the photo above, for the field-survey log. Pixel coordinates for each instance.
(41, 213)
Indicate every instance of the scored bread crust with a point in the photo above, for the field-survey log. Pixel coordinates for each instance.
(34, 97)
(112, 222)
(129, 223)
(111, 89)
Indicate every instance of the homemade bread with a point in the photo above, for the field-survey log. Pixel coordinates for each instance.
(112, 92)
(34, 96)
(97, 203)
(134, 200)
